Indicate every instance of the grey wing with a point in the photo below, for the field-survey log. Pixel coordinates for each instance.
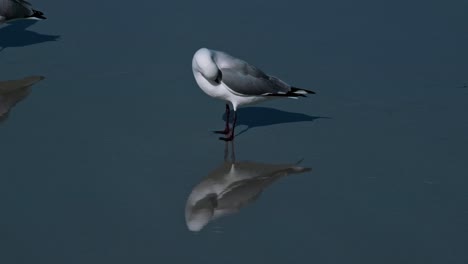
(251, 81)
(245, 79)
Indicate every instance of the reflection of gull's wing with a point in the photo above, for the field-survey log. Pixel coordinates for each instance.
(234, 185)
(252, 179)
(11, 92)
(242, 193)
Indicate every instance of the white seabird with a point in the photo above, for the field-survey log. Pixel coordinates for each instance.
(235, 81)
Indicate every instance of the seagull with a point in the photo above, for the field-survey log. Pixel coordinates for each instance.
(235, 81)
(230, 187)
(11, 10)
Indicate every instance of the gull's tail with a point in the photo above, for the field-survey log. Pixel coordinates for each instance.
(294, 93)
(298, 169)
(295, 90)
(37, 15)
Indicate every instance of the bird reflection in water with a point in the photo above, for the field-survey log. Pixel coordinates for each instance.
(230, 187)
(11, 92)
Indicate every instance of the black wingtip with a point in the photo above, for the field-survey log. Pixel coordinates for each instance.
(295, 89)
(38, 14)
(289, 94)
(294, 92)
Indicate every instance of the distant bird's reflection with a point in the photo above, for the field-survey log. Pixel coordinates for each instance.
(11, 92)
(230, 187)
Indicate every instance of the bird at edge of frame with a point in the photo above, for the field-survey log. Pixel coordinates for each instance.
(237, 82)
(11, 10)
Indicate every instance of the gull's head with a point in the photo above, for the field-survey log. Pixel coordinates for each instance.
(199, 211)
(203, 63)
(198, 218)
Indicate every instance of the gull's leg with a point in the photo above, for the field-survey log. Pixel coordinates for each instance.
(226, 152)
(233, 153)
(230, 135)
(226, 128)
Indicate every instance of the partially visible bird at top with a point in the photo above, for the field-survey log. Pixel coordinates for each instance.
(11, 10)
(235, 81)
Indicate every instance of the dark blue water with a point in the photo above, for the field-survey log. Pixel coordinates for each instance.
(98, 160)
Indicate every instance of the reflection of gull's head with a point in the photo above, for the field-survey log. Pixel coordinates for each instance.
(200, 213)
(198, 219)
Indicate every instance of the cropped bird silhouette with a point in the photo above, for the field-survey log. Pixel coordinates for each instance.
(11, 92)
(235, 81)
(230, 187)
(11, 10)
